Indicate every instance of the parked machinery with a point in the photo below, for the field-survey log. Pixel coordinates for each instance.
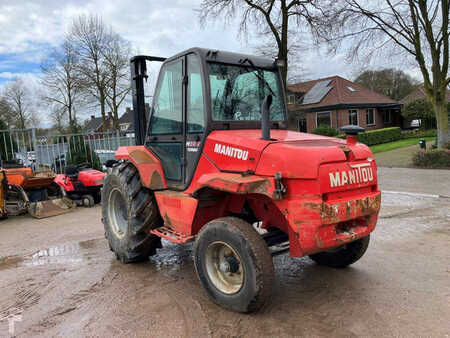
(35, 193)
(81, 184)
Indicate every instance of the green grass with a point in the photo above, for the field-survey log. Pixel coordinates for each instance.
(398, 144)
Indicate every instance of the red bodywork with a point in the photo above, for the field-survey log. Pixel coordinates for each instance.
(89, 178)
(331, 196)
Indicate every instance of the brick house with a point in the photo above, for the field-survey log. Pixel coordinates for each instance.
(337, 102)
(419, 93)
(126, 123)
(95, 124)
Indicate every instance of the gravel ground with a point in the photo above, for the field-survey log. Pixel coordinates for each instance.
(60, 279)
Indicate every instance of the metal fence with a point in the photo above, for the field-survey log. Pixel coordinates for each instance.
(54, 152)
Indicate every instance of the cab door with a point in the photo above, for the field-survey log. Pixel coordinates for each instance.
(166, 134)
(195, 114)
(177, 123)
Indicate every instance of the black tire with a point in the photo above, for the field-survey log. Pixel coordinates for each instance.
(129, 212)
(88, 201)
(254, 262)
(342, 258)
(97, 197)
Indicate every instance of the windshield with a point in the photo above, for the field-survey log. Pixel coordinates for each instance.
(237, 92)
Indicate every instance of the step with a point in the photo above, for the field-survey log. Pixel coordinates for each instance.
(171, 235)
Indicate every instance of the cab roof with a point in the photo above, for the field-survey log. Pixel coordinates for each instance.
(220, 56)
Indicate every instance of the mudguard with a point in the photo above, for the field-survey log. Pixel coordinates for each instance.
(237, 183)
(148, 165)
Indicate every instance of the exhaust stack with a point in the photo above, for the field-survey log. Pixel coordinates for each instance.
(352, 133)
(265, 117)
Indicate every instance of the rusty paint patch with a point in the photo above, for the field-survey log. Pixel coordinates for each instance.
(141, 157)
(319, 242)
(167, 221)
(156, 181)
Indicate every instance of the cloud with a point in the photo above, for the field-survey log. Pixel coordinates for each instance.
(31, 28)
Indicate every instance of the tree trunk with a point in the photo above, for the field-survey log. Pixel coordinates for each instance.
(440, 108)
(283, 49)
(116, 118)
(103, 112)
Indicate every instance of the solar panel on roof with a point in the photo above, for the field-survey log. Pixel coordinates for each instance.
(317, 92)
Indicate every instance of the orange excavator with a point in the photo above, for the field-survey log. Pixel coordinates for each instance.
(35, 193)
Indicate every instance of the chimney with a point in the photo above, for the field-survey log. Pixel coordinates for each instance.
(92, 117)
(110, 114)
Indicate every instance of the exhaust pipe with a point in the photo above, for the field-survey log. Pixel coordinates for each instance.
(352, 132)
(265, 117)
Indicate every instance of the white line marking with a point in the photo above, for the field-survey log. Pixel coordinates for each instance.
(411, 194)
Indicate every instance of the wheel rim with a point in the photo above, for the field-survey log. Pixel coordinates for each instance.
(224, 268)
(118, 215)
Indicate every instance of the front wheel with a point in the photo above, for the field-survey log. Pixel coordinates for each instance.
(343, 257)
(129, 212)
(234, 264)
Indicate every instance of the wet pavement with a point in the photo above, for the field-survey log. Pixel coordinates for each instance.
(58, 278)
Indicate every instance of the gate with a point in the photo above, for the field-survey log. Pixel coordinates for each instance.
(54, 152)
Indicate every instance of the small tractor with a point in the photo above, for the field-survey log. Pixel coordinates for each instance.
(82, 184)
(216, 164)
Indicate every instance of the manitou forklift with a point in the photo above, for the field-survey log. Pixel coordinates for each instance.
(217, 165)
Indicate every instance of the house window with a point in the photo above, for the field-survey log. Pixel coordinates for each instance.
(370, 117)
(353, 117)
(323, 119)
(387, 118)
(291, 98)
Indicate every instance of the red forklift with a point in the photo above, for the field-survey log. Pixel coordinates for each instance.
(216, 164)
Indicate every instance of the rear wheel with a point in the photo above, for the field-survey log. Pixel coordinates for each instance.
(234, 264)
(129, 212)
(343, 257)
(88, 201)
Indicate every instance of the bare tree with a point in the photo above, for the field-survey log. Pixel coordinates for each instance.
(393, 83)
(62, 81)
(419, 29)
(117, 55)
(18, 98)
(88, 35)
(278, 19)
(6, 112)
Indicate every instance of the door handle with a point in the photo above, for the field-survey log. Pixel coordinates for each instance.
(173, 138)
(154, 138)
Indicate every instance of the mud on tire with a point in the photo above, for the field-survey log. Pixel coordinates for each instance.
(129, 212)
(342, 258)
(254, 261)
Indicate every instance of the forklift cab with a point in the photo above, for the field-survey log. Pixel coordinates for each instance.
(199, 91)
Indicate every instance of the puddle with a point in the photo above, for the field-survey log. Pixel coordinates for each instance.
(66, 254)
(172, 256)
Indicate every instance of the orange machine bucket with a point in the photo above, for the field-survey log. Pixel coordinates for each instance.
(25, 180)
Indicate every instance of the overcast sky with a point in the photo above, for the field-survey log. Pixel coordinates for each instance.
(30, 28)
